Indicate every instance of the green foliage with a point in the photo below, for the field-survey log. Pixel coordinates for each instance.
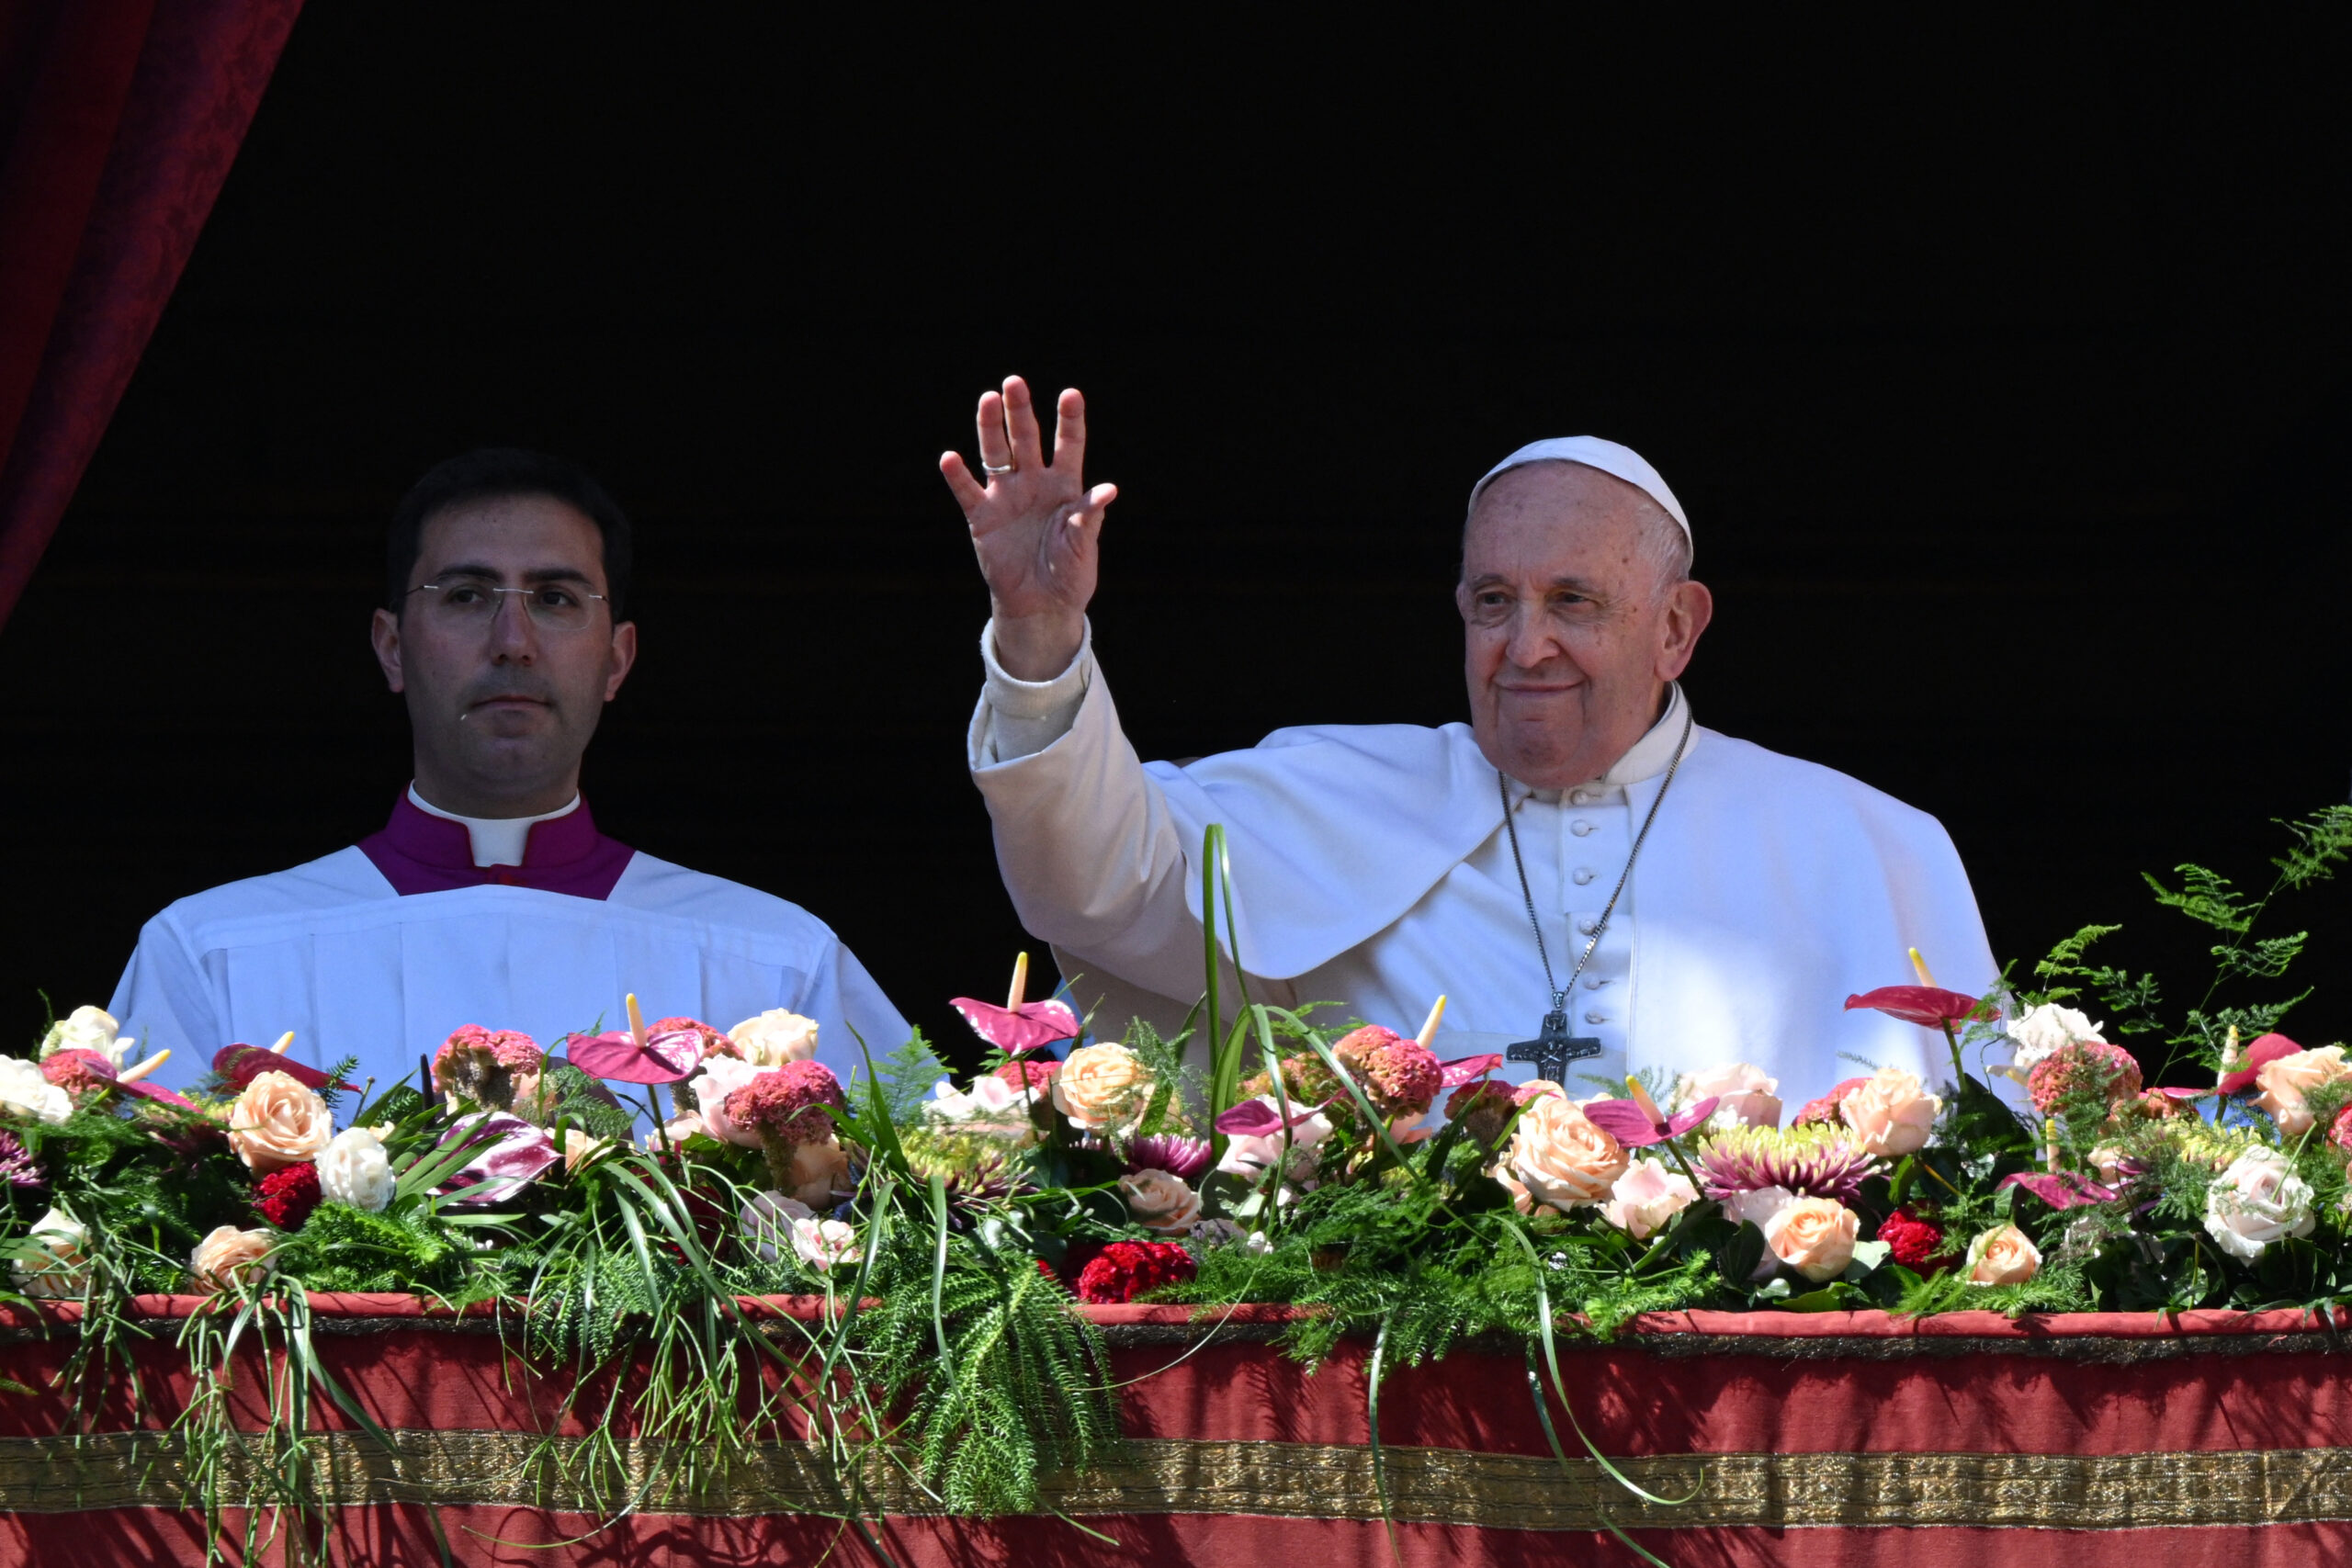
(343, 1248)
(581, 1101)
(904, 1078)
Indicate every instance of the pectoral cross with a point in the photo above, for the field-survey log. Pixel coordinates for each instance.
(1554, 1048)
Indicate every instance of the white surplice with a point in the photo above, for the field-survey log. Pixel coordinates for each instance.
(330, 951)
(1371, 870)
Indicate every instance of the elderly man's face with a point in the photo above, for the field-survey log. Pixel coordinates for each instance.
(1569, 638)
(502, 704)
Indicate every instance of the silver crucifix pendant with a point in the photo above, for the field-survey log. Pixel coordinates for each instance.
(1554, 1048)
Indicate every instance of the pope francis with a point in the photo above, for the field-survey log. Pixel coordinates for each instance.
(1597, 882)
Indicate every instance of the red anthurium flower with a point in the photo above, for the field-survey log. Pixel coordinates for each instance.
(670, 1057)
(2061, 1189)
(1929, 1007)
(239, 1064)
(1016, 1030)
(1625, 1121)
(2266, 1050)
(1462, 1069)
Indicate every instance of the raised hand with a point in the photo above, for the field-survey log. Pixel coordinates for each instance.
(1036, 527)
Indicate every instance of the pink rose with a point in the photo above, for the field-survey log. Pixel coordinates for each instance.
(1557, 1157)
(1646, 1197)
(1814, 1236)
(720, 1077)
(229, 1258)
(2284, 1080)
(1743, 1096)
(1891, 1113)
(2002, 1256)
(1160, 1203)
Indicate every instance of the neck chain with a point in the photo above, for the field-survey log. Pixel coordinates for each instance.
(1560, 992)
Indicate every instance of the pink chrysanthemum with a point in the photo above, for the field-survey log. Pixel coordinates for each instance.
(1399, 1076)
(77, 1071)
(1812, 1162)
(2080, 1067)
(1182, 1157)
(791, 1104)
(492, 1067)
(1825, 1109)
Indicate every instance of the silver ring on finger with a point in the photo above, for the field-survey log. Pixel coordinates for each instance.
(992, 470)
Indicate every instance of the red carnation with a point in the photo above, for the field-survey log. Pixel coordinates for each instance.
(1826, 1108)
(1125, 1270)
(1915, 1243)
(1035, 1076)
(2083, 1067)
(287, 1195)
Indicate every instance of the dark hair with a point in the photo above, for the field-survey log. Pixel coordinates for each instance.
(490, 474)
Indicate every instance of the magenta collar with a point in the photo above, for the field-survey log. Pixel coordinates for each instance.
(419, 853)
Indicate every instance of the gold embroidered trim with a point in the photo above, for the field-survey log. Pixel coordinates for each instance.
(1314, 1480)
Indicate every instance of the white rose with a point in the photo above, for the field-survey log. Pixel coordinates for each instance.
(1647, 1196)
(355, 1169)
(2258, 1200)
(87, 1028)
(26, 1092)
(775, 1037)
(991, 1098)
(60, 1271)
(2044, 1029)
(1747, 1098)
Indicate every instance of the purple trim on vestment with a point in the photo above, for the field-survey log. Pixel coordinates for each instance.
(419, 853)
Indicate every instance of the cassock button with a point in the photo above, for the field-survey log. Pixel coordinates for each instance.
(1596, 1018)
(1581, 795)
(1580, 827)
(1594, 982)
(1583, 875)
(1586, 926)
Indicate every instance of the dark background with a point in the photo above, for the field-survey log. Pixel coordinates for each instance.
(2003, 377)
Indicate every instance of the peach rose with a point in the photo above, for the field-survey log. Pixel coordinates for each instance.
(277, 1122)
(1814, 1236)
(1747, 1096)
(1891, 1113)
(1101, 1086)
(2003, 1256)
(1556, 1157)
(1159, 1202)
(230, 1258)
(2284, 1080)
(817, 1170)
(1646, 1197)
(775, 1037)
(580, 1147)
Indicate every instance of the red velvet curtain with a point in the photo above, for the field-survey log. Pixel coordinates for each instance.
(119, 120)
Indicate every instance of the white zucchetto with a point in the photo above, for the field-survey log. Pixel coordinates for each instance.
(1616, 461)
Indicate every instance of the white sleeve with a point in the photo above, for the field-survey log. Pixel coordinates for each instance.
(164, 1001)
(1084, 840)
(850, 1011)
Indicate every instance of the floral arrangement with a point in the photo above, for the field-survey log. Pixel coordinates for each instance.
(641, 1189)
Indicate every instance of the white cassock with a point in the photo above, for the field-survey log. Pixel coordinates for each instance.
(381, 950)
(1371, 870)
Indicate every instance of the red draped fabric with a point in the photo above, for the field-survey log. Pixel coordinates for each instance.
(120, 120)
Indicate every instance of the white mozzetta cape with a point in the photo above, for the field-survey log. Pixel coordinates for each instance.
(1371, 870)
(330, 952)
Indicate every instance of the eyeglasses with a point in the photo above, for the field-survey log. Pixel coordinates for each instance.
(466, 602)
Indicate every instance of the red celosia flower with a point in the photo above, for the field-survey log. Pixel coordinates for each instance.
(1125, 1270)
(1034, 1075)
(1914, 1242)
(1400, 1076)
(287, 1195)
(2083, 1067)
(1826, 1108)
(77, 1071)
(489, 1067)
(790, 1105)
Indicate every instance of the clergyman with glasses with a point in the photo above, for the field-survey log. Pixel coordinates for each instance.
(490, 896)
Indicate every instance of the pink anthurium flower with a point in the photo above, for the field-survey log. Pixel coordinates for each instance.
(2060, 1189)
(130, 1080)
(1019, 1025)
(616, 1054)
(239, 1064)
(508, 1153)
(1462, 1069)
(1929, 1007)
(1627, 1121)
(1256, 1119)
(2265, 1050)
